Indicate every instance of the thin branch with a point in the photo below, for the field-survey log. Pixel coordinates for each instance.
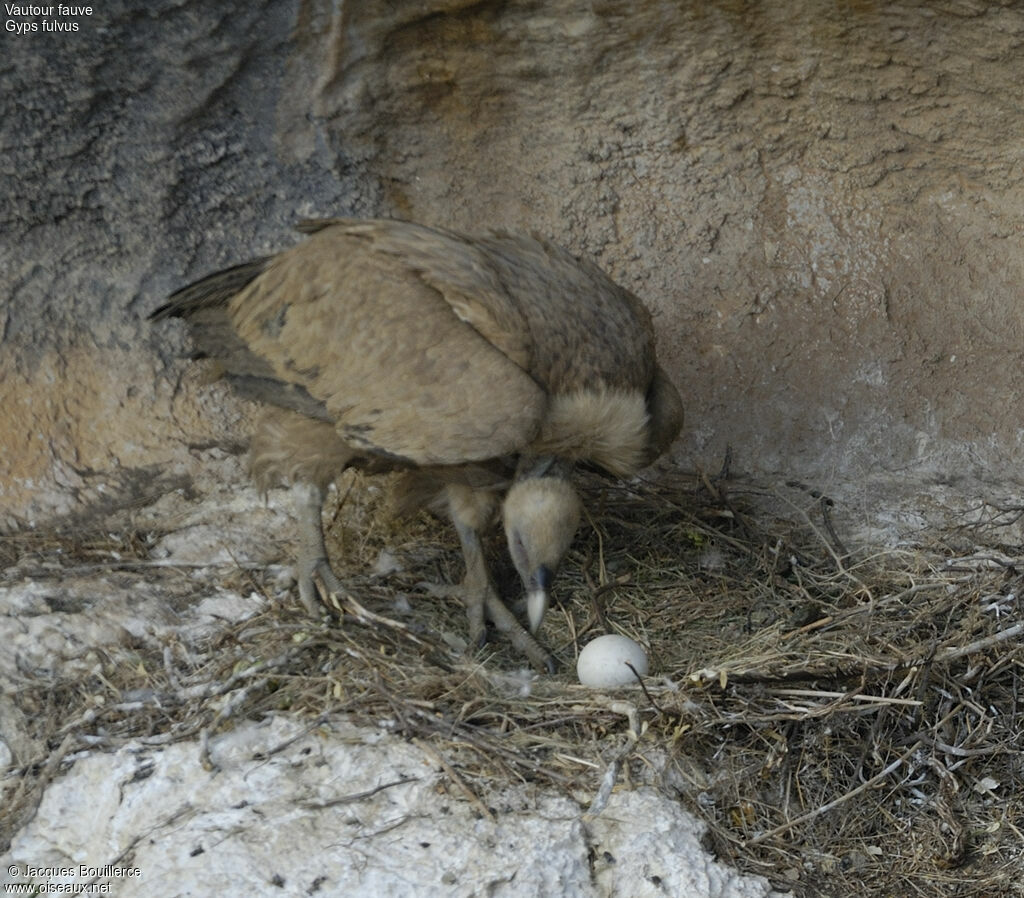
(842, 799)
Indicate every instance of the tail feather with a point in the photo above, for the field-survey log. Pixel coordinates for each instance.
(211, 291)
(312, 225)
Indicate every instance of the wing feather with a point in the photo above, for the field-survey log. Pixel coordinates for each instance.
(403, 369)
(455, 267)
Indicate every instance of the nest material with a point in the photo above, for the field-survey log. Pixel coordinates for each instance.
(846, 723)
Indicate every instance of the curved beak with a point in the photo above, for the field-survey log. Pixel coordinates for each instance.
(536, 605)
(537, 596)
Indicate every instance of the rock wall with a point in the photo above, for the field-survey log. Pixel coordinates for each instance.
(820, 201)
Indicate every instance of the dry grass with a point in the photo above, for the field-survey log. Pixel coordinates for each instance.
(847, 723)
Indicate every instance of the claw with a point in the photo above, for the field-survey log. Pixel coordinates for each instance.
(312, 564)
(320, 590)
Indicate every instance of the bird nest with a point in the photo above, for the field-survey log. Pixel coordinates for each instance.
(846, 722)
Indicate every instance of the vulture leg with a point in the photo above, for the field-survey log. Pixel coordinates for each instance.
(506, 621)
(471, 511)
(476, 585)
(312, 561)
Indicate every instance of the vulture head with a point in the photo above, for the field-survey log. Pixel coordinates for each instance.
(541, 515)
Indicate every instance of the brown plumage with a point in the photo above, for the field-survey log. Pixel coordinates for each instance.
(484, 367)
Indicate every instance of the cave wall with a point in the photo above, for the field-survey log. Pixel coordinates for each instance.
(819, 200)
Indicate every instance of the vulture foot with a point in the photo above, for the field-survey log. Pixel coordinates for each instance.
(310, 570)
(517, 634)
(477, 591)
(474, 602)
(478, 602)
(312, 562)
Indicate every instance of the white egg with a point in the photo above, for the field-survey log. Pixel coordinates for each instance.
(602, 663)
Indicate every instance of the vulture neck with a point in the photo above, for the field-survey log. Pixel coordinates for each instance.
(532, 466)
(606, 427)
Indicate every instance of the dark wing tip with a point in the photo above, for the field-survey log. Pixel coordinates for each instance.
(213, 290)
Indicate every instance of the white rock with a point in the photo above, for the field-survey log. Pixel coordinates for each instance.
(345, 810)
(604, 662)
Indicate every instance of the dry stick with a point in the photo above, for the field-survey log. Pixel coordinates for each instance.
(287, 743)
(596, 591)
(979, 645)
(708, 485)
(850, 696)
(965, 752)
(49, 771)
(825, 541)
(723, 474)
(825, 808)
(872, 668)
(643, 686)
(355, 796)
(595, 597)
(825, 503)
(365, 616)
(604, 792)
(454, 777)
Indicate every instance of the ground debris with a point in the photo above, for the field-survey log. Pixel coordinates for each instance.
(846, 720)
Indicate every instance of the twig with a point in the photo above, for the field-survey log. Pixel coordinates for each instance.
(595, 599)
(826, 515)
(643, 686)
(455, 778)
(964, 752)
(709, 486)
(49, 771)
(836, 557)
(951, 653)
(825, 808)
(356, 796)
(850, 696)
(723, 473)
(301, 734)
(365, 616)
(604, 791)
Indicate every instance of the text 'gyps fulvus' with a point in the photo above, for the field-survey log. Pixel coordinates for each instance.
(483, 366)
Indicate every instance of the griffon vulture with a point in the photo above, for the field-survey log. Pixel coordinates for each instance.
(485, 367)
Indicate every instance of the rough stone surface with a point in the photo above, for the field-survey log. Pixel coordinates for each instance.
(344, 810)
(821, 203)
